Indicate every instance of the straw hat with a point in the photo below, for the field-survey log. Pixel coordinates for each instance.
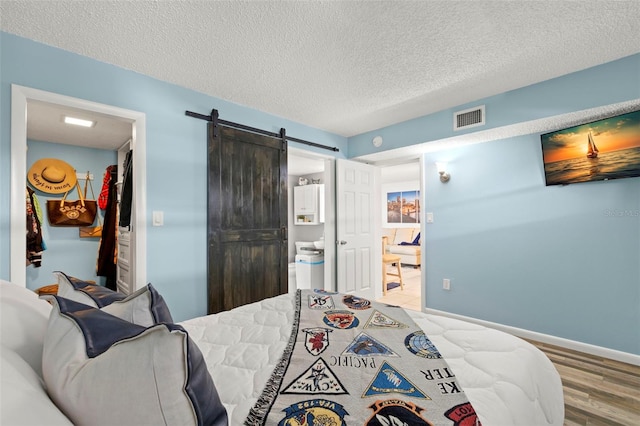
(52, 175)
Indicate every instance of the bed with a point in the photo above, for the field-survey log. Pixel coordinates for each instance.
(507, 380)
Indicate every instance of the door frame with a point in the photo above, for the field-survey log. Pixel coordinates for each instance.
(20, 97)
(329, 173)
(330, 252)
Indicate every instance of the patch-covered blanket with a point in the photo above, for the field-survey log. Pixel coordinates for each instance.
(357, 362)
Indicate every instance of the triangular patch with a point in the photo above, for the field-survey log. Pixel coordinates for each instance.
(388, 380)
(365, 345)
(317, 379)
(380, 320)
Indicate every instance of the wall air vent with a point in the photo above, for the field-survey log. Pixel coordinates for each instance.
(468, 118)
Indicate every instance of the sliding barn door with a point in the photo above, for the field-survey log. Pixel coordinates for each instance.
(247, 217)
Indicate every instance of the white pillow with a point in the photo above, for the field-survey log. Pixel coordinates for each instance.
(102, 370)
(84, 292)
(23, 322)
(145, 307)
(24, 400)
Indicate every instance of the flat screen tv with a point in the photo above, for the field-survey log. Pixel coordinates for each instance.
(599, 150)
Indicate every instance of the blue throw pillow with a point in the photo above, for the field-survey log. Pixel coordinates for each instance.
(416, 240)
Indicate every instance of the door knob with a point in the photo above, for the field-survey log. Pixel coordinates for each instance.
(342, 242)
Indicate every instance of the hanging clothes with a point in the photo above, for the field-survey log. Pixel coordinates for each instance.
(127, 191)
(34, 230)
(107, 253)
(103, 198)
(40, 217)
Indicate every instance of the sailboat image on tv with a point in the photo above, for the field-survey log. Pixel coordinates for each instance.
(570, 155)
(592, 151)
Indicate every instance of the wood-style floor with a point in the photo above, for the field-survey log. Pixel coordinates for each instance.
(597, 391)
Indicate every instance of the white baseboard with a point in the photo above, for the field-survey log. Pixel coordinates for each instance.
(629, 358)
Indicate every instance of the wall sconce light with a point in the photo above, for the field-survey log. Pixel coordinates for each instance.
(442, 170)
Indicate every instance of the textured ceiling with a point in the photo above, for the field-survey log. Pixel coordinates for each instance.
(343, 66)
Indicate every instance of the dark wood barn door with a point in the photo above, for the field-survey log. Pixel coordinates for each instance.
(247, 217)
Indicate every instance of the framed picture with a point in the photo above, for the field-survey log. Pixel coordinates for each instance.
(403, 207)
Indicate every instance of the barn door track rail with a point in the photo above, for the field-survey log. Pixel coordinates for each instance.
(214, 117)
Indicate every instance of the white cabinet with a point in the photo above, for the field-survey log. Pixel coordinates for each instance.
(308, 204)
(123, 264)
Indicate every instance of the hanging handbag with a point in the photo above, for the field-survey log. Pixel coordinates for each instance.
(72, 213)
(91, 231)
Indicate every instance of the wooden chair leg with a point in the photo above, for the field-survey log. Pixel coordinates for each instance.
(400, 276)
(384, 279)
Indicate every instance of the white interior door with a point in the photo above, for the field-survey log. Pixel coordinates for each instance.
(358, 249)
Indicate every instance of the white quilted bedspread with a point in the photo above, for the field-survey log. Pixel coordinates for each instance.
(508, 381)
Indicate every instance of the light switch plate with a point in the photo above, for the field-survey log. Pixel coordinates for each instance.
(158, 218)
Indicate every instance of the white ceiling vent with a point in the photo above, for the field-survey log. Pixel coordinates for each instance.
(468, 118)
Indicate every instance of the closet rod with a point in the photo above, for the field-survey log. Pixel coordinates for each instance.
(255, 130)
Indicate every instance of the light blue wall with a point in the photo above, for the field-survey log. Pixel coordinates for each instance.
(176, 155)
(561, 260)
(66, 251)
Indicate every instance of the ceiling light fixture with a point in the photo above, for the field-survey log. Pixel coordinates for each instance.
(78, 121)
(377, 141)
